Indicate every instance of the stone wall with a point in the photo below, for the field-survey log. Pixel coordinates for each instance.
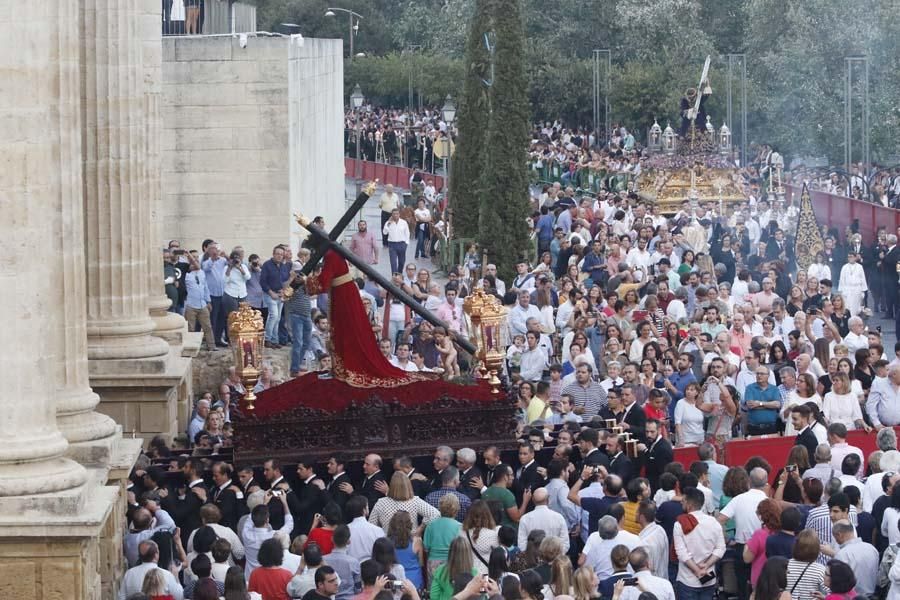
(226, 141)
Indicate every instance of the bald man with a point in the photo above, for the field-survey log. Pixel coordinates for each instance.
(374, 486)
(552, 523)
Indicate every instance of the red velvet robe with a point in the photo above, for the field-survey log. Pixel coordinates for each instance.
(354, 350)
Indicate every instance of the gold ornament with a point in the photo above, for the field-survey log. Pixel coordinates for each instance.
(246, 331)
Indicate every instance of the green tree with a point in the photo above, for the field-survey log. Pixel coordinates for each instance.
(473, 117)
(505, 204)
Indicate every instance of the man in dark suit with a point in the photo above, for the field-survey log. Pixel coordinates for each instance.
(527, 475)
(374, 486)
(420, 485)
(589, 445)
(619, 463)
(491, 462)
(443, 458)
(658, 454)
(778, 248)
(224, 495)
(339, 488)
(468, 472)
(635, 419)
(802, 420)
(889, 274)
(276, 482)
(309, 494)
(184, 507)
(248, 483)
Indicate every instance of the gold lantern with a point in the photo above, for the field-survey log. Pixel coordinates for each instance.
(246, 332)
(487, 317)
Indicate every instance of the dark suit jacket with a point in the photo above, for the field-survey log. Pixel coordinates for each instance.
(229, 505)
(435, 482)
(335, 494)
(656, 459)
(277, 512)
(808, 440)
(467, 489)
(489, 475)
(597, 458)
(368, 490)
(310, 500)
(623, 467)
(528, 478)
(772, 251)
(637, 422)
(185, 513)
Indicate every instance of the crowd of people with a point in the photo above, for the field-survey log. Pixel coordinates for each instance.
(633, 334)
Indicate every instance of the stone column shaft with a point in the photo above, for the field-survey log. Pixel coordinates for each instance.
(39, 61)
(118, 324)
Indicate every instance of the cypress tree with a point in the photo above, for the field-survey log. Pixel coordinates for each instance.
(505, 203)
(473, 116)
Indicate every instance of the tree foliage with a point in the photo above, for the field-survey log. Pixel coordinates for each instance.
(505, 204)
(473, 117)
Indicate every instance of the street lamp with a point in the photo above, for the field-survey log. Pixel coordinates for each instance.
(354, 27)
(449, 114)
(356, 101)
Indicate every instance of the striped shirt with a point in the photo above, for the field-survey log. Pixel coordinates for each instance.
(591, 397)
(299, 304)
(813, 580)
(819, 520)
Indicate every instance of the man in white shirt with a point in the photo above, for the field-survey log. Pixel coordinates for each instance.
(883, 404)
(553, 523)
(742, 509)
(388, 203)
(362, 533)
(596, 552)
(837, 437)
(534, 359)
(861, 556)
(521, 312)
(396, 231)
(640, 563)
(491, 269)
(256, 529)
(699, 544)
(402, 359)
(654, 539)
(133, 581)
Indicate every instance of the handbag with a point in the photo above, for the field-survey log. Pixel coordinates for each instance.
(474, 551)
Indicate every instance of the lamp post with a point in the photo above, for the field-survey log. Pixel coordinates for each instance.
(354, 27)
(449, 114)
(356, 101)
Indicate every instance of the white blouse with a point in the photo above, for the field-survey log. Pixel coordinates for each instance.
(691, 420)
(842, 408)
(794, 399)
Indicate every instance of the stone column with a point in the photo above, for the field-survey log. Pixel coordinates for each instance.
(118, 324)
(169, 326)
(38, 103)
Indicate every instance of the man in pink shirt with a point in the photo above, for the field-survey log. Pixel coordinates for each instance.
(763, 300)
(363, 244)
(740, 335)
(449, 312)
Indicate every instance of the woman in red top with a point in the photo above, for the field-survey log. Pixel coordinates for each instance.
(322, 529)
(269, 579)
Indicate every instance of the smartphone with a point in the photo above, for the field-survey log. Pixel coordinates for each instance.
(790, 468)
(633, 581)
(708, 577)
(277, 493)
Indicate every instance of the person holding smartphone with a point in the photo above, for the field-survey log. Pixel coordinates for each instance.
(699, 544)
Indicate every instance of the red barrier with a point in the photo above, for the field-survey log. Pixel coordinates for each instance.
(839, 211)
(395, 175)
(774, 449)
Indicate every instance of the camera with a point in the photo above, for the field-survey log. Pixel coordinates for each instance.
(394, 585)
(178, 252)
(632, 581)
(790, 468)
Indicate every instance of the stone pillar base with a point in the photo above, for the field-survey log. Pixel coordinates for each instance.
(146, 397)
(169, 326)
(190, 343)
(46, 555)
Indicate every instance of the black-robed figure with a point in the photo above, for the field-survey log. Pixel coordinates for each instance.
(687, 108)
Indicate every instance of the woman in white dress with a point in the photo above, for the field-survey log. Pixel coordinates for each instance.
(805, 392)
(689, 418)
(853, 283)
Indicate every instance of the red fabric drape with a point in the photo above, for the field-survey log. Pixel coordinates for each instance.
(355, 354)
(334, 395)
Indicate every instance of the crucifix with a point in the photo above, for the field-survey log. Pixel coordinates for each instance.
(323, 241)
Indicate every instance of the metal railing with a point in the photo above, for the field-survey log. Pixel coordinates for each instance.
(583, 178)
(207, 17)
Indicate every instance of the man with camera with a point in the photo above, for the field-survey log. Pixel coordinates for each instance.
(235, 289)
(198, 302)
(214, 266)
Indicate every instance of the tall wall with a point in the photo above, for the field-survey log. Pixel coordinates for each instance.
(226, 144)
(316, 79)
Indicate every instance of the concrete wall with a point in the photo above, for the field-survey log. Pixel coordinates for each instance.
(241, 152)
(316, 107)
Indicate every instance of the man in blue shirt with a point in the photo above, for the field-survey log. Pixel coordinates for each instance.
(272, 279)
(678, 381)
(594, 264)
(544, 230)
(762, 403)
(214, 267)
(197, 302)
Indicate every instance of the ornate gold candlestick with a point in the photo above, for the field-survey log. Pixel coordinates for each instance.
(246, 332)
